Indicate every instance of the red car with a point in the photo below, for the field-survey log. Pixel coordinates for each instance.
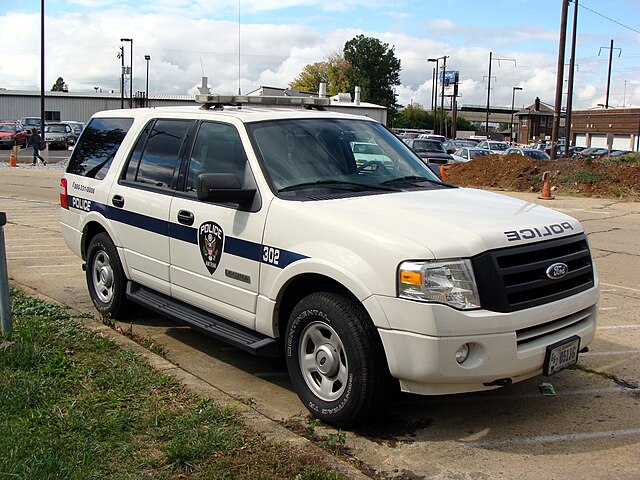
(12, 133)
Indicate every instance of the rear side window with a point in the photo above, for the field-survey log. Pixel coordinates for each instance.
(157, 153)
(97, 146)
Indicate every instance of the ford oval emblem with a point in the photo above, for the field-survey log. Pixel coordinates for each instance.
(557, 271)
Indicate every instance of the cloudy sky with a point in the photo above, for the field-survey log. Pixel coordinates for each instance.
(187, 39)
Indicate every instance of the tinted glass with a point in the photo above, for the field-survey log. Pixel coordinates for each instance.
(306, 159)
(98, 144)
(217, 149)
(160, 152)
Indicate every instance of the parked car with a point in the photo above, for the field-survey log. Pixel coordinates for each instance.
(574, 151)
(12, 133)
(619, 153)
(365, 152)
(599, 153)
(431, 151)
(529, 152)
(77, 127)
(464, 154)
(586, 153)
(30, 122)
(495, 147)
(59, 135)
(465, 143)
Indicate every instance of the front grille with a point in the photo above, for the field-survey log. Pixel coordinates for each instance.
(514, 278)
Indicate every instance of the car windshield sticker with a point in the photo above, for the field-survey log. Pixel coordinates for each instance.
(211, 242)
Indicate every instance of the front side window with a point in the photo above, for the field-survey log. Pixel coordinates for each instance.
(156, 154)
(98, 144)
(217, 149)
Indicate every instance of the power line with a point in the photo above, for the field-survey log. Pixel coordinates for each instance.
(608, 18)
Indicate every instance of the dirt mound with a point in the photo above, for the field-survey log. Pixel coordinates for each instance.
(570, 177)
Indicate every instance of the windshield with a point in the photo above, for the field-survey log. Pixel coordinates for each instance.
(428, 146)
(302, 157)
(7, 128)
(499, 146)
(55, 129)
(478, 153)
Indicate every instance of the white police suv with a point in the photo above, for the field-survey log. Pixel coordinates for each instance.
(257, 226)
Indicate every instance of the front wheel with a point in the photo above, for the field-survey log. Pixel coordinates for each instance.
(105, 277)
(335, 359)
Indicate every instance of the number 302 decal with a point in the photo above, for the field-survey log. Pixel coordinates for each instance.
(270, 255)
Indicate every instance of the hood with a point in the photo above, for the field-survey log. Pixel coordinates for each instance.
(448, 223)
(6, 134)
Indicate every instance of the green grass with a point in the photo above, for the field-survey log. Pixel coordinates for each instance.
(583, 176)
(74, 405)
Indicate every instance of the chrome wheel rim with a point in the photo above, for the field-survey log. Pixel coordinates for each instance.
(102, 276)
(323, 361)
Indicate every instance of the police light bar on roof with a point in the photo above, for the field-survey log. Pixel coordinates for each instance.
(261, 100)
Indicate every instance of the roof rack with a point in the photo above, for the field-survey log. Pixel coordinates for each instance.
(220, 101)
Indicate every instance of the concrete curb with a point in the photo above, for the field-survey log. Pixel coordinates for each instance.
(256, 421)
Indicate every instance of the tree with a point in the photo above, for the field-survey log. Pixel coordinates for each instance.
(59, 86)
(333, 71)
(373, 67)
(414, 116)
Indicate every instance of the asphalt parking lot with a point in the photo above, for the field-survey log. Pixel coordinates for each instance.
(590, 427)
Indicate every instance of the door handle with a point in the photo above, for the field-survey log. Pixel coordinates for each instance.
(118, 201)
(185, 217)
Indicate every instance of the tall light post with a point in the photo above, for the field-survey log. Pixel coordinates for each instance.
(434, 93)
(130, 40)
(146, 92)
(444, 67)
(513, 98)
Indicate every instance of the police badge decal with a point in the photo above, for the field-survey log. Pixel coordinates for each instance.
(211, 242)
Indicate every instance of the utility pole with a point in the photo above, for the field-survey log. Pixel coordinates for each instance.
(557, 108)
(611, 49)
(491, 59)
(444, 72)
(572, 65)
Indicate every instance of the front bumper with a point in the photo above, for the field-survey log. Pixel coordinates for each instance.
(504, 348)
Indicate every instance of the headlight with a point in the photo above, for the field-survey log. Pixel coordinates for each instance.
(449, 281)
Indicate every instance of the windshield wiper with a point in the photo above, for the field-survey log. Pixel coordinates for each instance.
(336, 183)
(412, 179)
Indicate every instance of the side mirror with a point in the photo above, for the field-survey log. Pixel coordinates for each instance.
(224, 188)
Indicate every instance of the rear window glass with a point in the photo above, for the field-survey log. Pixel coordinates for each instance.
(98, 144)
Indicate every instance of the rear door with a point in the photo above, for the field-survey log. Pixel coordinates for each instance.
(142, 197)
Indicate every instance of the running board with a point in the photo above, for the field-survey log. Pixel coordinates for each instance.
(219, 328)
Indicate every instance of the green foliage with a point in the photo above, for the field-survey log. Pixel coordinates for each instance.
(373, 67)
(333, 71)
(628, 159)
(583, 176)
(414, 116)
(59, 86)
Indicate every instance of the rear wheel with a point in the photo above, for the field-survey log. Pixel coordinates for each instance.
(335, 359)
(105, 277)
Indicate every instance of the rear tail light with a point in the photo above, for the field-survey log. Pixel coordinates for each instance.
(64, 199)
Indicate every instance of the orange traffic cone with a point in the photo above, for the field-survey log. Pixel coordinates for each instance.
(442, 172)
(12, 159)
(546, 188)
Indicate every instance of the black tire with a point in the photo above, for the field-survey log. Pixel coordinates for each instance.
(335, 359)
(105, 277)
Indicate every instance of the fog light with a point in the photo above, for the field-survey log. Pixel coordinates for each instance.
(462, 353)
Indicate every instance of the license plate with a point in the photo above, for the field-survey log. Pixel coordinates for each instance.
(561, 355)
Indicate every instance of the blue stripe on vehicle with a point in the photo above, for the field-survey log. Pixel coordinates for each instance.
(232, 245)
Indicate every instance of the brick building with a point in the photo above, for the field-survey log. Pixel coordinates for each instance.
(618, 128)
(535, 123)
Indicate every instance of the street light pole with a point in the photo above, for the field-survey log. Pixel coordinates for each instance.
(130, 40)
(444, 70)
(434, 94)
(146, 92)
(513, 98)
(121, 57)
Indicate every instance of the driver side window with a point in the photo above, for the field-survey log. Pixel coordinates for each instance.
(217, 149)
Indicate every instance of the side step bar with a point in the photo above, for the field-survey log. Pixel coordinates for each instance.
(217, 327)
